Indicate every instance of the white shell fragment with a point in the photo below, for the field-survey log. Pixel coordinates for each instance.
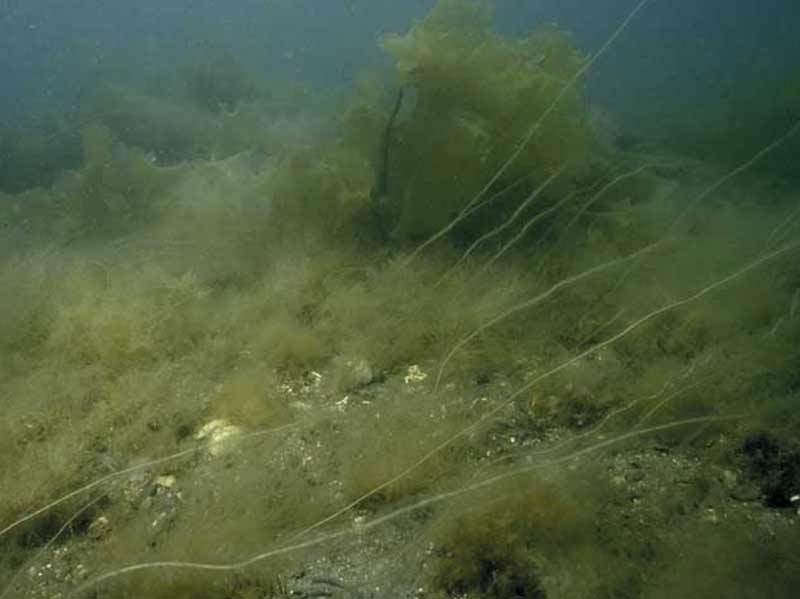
(217, 433)
(415, 375)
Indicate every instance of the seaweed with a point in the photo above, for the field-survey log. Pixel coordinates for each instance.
(476, 94)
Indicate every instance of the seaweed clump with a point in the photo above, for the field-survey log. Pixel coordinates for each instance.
(774, 466)
(409, 162)
(477, 95)
(532, 543)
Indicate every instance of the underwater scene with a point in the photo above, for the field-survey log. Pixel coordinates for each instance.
(417, 299)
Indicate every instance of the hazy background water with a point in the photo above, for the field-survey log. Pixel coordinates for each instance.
(677, 52)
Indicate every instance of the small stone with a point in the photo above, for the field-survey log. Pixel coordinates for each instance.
(361, 373)
(99, 528)
(353, 373)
